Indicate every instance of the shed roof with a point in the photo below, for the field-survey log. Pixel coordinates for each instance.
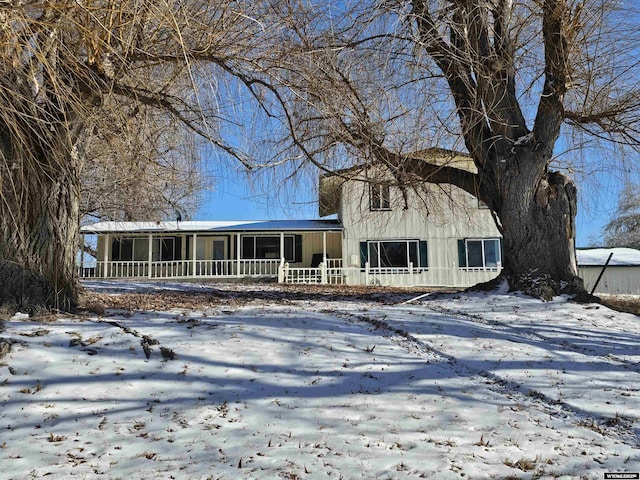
(213, 226)
(598, 257)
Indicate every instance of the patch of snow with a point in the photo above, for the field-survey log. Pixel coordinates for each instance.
(598, 256)
(461, 386)
(212, 226)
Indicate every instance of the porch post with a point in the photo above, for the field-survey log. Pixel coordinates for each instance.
(238, 254)
(282, 247)
(193, 254)
(81, 272)
(411, 280)
(150, 253)
(281, 275)
(105, 254)
(323, 275)
(454, 275)
(324, 247)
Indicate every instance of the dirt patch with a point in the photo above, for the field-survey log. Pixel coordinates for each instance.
(234, 295)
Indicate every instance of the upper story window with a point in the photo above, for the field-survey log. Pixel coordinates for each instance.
(379, 196)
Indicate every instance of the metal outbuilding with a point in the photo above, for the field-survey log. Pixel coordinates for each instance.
(621, 276)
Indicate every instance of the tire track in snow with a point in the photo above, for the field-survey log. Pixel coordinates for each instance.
(613, 427)
(529, 334)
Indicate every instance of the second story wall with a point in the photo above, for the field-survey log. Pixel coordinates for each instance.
(441, 218)
(434, 214)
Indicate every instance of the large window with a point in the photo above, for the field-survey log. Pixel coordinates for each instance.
(267, 247)
(137, 249)
(379, 196)
(480, 253)
(394, 253)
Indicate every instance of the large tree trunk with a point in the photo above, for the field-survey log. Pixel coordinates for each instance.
(39, 224)
(47, 97)
(537, 214)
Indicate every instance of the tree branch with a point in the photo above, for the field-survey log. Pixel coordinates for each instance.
(556, 51)
(442, 174)
(460, 80)
(168, 103)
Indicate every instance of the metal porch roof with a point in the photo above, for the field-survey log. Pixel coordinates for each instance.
(213, 226)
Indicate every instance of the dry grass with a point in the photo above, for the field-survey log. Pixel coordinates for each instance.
(622, 303)
(232, 295)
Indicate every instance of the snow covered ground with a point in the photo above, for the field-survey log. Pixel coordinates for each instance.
(266, 384)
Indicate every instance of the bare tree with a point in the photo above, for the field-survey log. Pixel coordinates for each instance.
(512, 83)
(65, 63)
(624, 228)
(144, 166)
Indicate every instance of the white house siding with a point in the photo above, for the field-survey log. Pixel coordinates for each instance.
(446, 223)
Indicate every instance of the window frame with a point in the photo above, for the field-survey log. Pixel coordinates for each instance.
(161, 249)
(380, 197)
(156, 249)
(289, 248)
(483, 250)
(417, 264)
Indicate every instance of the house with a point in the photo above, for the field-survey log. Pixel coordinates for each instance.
(382, 233)
(434, 235)
(621, 275)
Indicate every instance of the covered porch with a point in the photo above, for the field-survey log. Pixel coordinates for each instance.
(289, 251)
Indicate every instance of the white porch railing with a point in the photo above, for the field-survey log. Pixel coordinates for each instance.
(122, 269)
(181, 269)
(302, 275)
(333, 263)
(257, 268)
(172, 269)
(408, 277)
(328, 272)
(332, 272)
(428, 277)
(212, 268)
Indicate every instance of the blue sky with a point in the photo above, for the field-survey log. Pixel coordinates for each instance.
(589, 224)
(233, 198)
